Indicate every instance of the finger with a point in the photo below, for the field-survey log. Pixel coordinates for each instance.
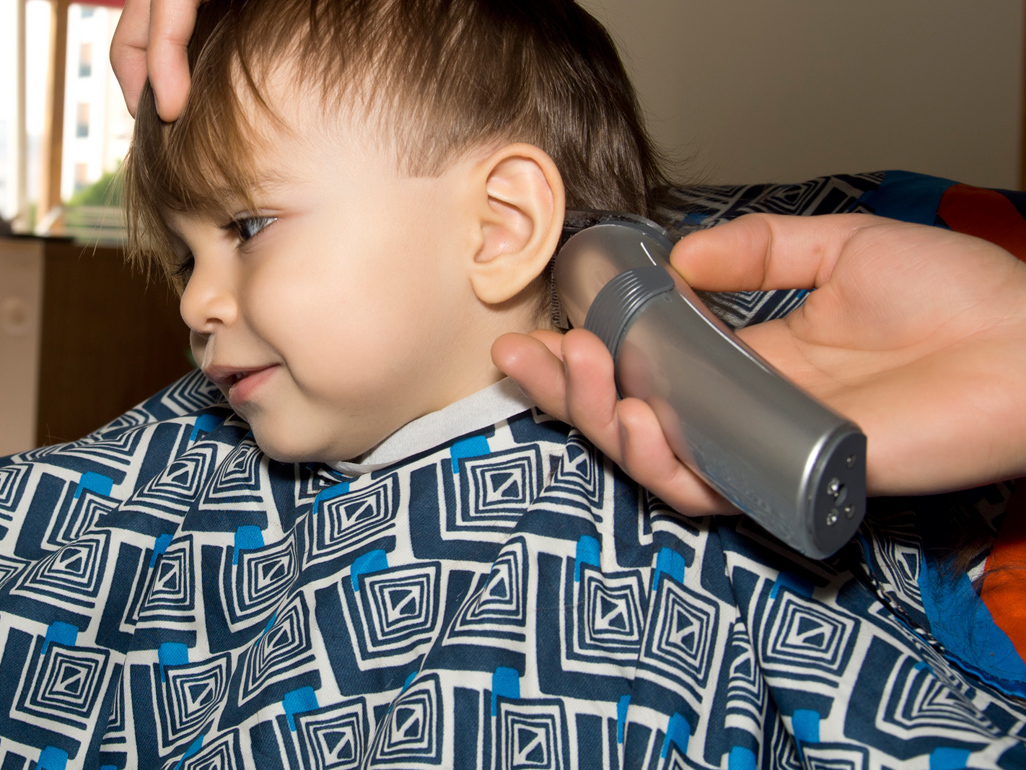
(533, 364)
(766, 251)
(580, 390)
(591, 390)
(551, 339)
(627, 431)
(128, 51)
(648, 459)
(568, 376)
(171, 26)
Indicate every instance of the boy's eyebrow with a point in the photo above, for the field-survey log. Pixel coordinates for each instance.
(259, 180)
(267, 179)
(226, 198)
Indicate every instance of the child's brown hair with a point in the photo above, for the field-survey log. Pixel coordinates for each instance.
(436, 78)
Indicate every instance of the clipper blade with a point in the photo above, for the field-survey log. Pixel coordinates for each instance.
(574, 220)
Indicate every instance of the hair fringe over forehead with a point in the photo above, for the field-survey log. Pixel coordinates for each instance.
(436, 78)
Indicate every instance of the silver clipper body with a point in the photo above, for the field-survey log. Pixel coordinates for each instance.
(782, 457)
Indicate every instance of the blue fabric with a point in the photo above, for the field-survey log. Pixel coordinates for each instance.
(534, 609)
(907, 196)
(963, 624)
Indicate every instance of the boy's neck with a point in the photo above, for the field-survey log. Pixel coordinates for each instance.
(485, 407)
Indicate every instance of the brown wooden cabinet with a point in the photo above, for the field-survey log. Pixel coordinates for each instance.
(83, 338)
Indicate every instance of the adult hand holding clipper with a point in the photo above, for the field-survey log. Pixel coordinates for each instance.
(913, 332)
(792, 464)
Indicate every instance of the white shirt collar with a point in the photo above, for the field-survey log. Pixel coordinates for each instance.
(486, 407)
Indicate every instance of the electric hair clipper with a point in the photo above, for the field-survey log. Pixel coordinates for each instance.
(782, 457)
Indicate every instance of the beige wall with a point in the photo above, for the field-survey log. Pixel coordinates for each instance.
(784, 90)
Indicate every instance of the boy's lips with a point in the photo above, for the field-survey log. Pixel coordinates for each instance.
(241, 382)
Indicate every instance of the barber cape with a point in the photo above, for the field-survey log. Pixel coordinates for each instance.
(502, 598)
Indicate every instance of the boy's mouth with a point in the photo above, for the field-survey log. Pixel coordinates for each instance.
(241, 386)
(228, 376)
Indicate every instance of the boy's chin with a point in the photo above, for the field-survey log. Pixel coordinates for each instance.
(281, 450)
(284, 451)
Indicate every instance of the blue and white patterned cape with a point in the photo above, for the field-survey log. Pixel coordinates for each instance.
(172, 598)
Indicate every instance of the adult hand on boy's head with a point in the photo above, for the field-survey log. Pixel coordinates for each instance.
(913, 332)
(151, 39)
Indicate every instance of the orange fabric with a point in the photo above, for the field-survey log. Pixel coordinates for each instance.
(1004, 591)
(986, 214)
(990, 215)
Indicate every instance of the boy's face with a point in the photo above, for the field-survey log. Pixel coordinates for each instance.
(338, 309)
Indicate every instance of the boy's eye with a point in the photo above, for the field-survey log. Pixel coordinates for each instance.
(184, 269)
(248, 227)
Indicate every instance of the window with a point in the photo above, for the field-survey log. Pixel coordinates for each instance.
(82, 120)
(22, 105)
(85, 59)
(97, 126)
(49, 150)
(81, 176)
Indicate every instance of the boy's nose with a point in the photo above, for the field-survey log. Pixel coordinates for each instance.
(209, 300)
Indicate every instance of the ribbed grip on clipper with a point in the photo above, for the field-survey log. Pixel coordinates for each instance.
(614, 307)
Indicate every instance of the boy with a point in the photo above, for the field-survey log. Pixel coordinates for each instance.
(358, 199)
(338, 137)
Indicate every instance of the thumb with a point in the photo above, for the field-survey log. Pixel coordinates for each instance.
(723, 258)
(765, 251)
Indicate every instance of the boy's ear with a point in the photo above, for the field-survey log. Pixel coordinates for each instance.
(521, 210)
